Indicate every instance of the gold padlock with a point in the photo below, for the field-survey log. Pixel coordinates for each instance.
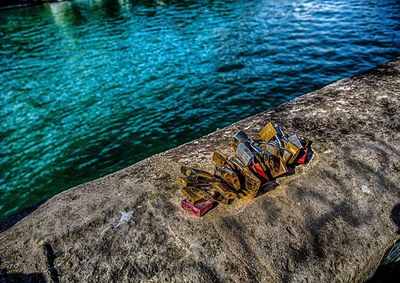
(227, 174)
(224, 190)
(218, 158)
(182, 182)
(252, 182)
(221, 160)
(272, 162)
(193, 194)
(274, 150)
(237, 164)
(196, 173)
(286, 156)
(248, 194)
(189, 182)
(293, 150)
(268, 132)
(223, 200)
(279, 170)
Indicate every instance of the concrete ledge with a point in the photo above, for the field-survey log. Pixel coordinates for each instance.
(315, 226)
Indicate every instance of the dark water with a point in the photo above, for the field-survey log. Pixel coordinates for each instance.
(90, 87)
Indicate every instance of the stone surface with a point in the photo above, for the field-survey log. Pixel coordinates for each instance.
(319, 225)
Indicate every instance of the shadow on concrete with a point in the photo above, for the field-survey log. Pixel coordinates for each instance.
(395, 216)
(346, 210)
(389, 272)
(386, 274)
(18, 216)
(22, 277)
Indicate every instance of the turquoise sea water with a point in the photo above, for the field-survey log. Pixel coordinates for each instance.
(90, 87)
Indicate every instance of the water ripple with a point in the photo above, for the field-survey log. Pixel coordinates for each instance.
(89, 87)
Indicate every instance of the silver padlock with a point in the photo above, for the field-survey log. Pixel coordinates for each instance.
(241, 137)
(245, 155)
(294, 139)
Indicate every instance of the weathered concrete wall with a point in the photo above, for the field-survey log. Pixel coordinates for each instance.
(315, 226)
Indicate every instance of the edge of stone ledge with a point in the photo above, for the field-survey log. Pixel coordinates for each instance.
(316, 114)
(26, 211)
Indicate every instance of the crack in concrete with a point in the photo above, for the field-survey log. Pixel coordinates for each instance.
(50, 258)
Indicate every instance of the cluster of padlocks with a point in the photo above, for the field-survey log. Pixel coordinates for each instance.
(255, 163)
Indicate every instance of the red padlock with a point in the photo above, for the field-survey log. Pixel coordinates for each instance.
(302, 159)
(198, 209)
(260, 172)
